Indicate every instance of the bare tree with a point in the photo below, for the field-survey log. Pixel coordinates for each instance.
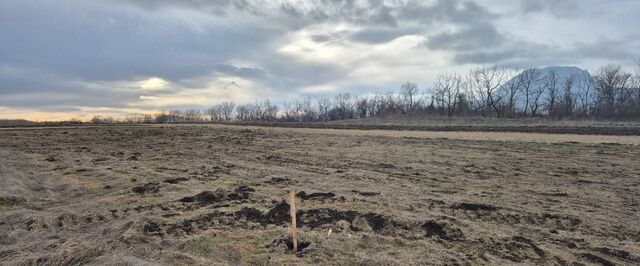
(476, 99)
(585, 95)
(567, 96)
(408, 92)
(265, 111)
(227, 110)
(245, 112)
(324, 104)
(612, 86)
(343, 106)
(446, 90)
(636, 89)
(362, 107)
(289, 112)
(513, 87)
(463, 105)
(527, 80)
(487, 82)
(305, 110)
(215, 113)
(550, 84)
(536, 98)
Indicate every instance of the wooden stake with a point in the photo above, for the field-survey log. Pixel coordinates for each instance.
(294, 230)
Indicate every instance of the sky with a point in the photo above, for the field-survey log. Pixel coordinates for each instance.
(77, 58)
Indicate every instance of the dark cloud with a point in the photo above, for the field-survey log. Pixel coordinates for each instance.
(372, 12)
(477, 36)
(459, 12)
(558, 8)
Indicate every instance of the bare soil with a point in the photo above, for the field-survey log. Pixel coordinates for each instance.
(197, 194)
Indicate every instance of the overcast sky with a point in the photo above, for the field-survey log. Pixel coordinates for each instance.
(68, 58)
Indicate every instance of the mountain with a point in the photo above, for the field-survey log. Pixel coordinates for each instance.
(562, 73)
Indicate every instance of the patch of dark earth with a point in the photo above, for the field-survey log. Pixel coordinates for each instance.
(312, 218)
(148, 188)
(220, 195)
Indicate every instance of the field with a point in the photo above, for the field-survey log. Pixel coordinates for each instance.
(418, 122)
(202, 194)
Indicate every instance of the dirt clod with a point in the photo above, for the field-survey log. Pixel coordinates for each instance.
(148, 188)
(220, 195)
(287, 242)
(474, 207)
(443, 229)
(361, 224)
(366, 193)
(176, 180)
(152, 228)
(315, 196)
(279, 214)
(208, 197)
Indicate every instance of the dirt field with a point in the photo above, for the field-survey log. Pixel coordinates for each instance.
(197, 194)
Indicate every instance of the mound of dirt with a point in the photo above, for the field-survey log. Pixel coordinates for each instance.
(443, 229)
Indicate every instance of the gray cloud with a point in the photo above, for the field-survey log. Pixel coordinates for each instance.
(243, 72)
(88, 53)
(117, 43)
(518, 53)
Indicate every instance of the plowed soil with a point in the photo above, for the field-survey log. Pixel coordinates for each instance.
(198, 194)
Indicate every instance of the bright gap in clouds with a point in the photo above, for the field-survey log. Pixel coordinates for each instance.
(153, 83)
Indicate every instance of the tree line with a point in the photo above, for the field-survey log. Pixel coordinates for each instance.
(609, 93)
